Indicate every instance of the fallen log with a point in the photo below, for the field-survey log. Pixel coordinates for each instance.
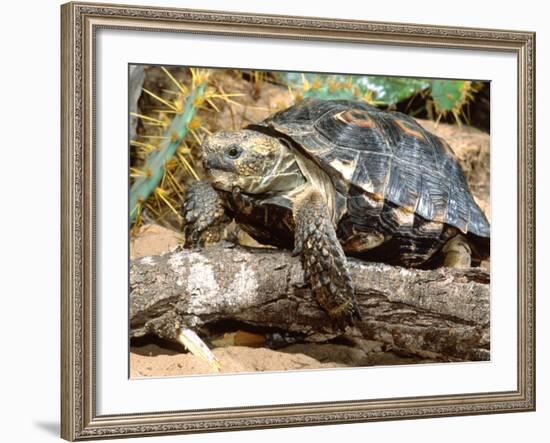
(442, 314)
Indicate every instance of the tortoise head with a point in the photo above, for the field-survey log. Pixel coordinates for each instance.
(255, 162)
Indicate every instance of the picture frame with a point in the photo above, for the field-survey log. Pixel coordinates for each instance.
(80, 178)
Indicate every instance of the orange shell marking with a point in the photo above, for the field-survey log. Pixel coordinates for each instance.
(357, 118)
(407, 129)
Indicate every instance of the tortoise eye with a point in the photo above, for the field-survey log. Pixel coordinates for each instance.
(234, 152)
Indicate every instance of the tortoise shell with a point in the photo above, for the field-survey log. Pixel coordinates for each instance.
(390, 173)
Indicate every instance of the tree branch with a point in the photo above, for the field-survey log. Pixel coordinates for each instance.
(441, 314)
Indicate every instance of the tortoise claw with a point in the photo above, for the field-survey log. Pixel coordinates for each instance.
(347, 315)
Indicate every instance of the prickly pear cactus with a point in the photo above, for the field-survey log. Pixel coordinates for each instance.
(447, 96)
(450, 96)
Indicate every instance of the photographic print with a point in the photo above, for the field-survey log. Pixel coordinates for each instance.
(284, 221)
(342, 208)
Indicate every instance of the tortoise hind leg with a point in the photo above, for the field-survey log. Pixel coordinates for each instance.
(323, 258)
(458, 253)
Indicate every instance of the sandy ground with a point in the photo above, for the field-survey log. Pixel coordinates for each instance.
(152, 360)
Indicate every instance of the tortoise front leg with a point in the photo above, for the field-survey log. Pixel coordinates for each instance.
(323, 258)
(204, 214)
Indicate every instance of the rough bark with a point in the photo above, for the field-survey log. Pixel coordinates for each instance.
(441, 314)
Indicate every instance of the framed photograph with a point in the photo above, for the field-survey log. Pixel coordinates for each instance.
(283, 221)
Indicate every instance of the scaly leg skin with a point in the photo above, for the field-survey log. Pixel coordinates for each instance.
(323, 258)
(204, 214)
(458, 253)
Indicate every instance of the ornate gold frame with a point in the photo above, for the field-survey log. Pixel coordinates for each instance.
(79, 420)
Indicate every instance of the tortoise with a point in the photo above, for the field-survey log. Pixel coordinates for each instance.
(330, 178)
